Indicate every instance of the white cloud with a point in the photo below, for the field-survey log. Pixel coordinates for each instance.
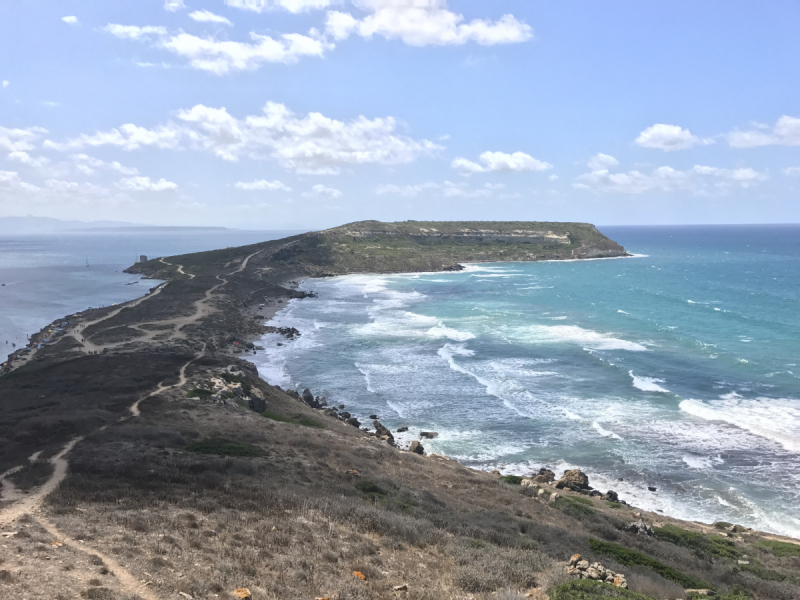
(6, 83)
(223, 56)
(425, 23)
(133, 32)
(321, 190)
(145, 184)
(404, 190)
(553, 177)
(306, 144)
(786, 132)
(602, 161)
(206, 16)
(669, 138)
(23, 157)
(174, 5)
(501, 162)
(263, 184)
(19, 140)
(293, 6)
(88, 164)
(792, 171)
(71, 20)
(698, 179)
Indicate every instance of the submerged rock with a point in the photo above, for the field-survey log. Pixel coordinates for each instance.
(429, 434)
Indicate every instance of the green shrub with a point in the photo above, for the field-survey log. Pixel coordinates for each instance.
(762, 572)
(369, 487)
(223, 447)
(780, 548)
(704, 546)
(586, 589)
(573, 506)
(297, 420)
(626, 556)
(722, 525)
(199, 393)
(614, 504)
(512, 479)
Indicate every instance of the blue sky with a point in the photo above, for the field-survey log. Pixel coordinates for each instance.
(284, 113)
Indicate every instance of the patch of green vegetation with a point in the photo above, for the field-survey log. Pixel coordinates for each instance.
(223, 447)
(199, 393)
(722, 525)
(704, 546)
(733, 593)
(780, 548)
(614, 504)
(762, 572)
(512, 479)
(366, 486)
(246, 387)
(573, 506)
(297, 420)
(586, 589)
(626, 556)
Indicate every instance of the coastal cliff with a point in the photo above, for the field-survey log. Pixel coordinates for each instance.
(142, 457)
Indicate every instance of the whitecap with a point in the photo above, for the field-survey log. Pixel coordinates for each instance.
(648, 384)
(777, 420)
(604, 432)
(440, 330)
(586, 338)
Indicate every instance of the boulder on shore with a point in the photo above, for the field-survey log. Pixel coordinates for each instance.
(640, 528)
(353, 421)
(544, 476)
(416, 448)
(382, 432)
(575, 480)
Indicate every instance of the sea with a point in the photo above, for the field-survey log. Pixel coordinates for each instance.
(675, 369)
(45, 277)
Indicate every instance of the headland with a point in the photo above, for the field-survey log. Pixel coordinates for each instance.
(141, 456)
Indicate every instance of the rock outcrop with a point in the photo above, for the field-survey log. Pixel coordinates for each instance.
(416, 448)
(575, 480)
(640, 528)
(582, 569)
(382, 432)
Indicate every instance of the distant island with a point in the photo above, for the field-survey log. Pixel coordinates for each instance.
(139, 448)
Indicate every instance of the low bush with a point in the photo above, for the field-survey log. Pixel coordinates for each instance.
(199, 393)
(586, 589)
(512, 479)
(298, 420)
(780, 548)
(573, 506)
(704, 546)
(614, 504)
(626, 556)
(32, 475)
(222, 447)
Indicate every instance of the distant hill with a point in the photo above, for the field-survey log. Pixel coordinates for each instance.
(408, 246)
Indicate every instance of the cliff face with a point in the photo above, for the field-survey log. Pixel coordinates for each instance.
(372, 246)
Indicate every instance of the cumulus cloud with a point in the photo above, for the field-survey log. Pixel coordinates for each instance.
(37, 162)
(501, 162)
(699, 179)
(669, 138)
(134, 32)
(20, 140)
(602, 161)
(293, 6)
(424, 23)
(404, 190)
(786, 132)
(174, 5)
(324, 191)
(223, 56)
(206, 16)
(88, 165)
(792, 171)
(312, 143)
(263, 184)
(71, 20)
(145, 184)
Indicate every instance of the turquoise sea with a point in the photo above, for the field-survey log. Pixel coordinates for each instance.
(676, 368)
(44, 277)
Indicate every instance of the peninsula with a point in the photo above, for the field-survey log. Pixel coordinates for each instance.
(142, 457)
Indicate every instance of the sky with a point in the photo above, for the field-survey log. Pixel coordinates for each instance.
(265, 114)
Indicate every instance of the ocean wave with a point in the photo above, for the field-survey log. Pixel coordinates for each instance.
(605, 432)
(777, 420)
(648, 384)
(701, 463)
(587, 338)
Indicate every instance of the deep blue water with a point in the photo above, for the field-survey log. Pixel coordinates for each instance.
(677, 368)
(46, 277)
